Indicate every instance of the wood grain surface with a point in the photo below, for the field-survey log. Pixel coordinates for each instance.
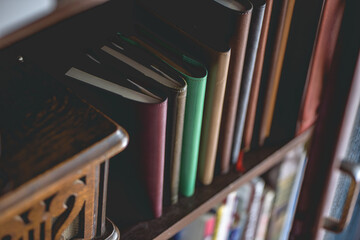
(53, 166)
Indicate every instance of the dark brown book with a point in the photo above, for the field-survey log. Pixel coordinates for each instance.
(138, 173)
(241, 11)
(199, 33)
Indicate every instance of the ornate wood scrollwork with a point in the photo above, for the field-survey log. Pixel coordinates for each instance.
(65, 210)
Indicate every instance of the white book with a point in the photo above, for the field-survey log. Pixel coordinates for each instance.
(259, 186)
(265, 213)
(224, 223)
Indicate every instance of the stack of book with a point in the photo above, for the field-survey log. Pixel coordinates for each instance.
(189, 89)
(260, 209)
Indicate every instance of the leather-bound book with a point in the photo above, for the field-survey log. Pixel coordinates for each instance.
(202, 33)
(121, 53)
(241, 11)
(138, 174)
(275, 66)
(195, 74)
(247, 75)
(255, 86)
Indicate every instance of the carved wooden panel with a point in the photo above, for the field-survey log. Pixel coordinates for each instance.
(67, 211)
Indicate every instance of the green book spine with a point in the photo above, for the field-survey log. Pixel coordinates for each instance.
(192, 131)
(194, 106)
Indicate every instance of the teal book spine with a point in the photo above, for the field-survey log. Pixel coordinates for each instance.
(195, 75)
(192, 131)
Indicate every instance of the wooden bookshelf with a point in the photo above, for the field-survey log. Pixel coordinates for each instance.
(112, 16)
(176, 217)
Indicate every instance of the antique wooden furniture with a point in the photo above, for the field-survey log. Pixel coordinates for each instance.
(54, 159)
(54, 153)
(66, 38)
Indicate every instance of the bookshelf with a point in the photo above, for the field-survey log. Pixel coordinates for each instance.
(75, 23)
(188, 209)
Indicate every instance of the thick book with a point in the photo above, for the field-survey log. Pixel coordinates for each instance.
(138, 175)
(195, 75)
(255, 86)
(201, 35)
(240, 13)
(122, 53)
(276, 62)
(247, 76)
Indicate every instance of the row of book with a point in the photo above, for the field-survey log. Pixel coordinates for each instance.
(260, 209)
(186, 87)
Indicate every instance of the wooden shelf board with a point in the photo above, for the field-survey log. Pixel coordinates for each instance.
(65, 9)
(176, 217)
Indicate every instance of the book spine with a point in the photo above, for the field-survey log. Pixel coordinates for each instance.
(238, 48)
(258, 70)
(209, 226)
(265, 214)
(224, 218)
(152, 164)
(277, 58)
(218, 64)
(247, 76)
(191, 136)
(176, 148)
(250, 229)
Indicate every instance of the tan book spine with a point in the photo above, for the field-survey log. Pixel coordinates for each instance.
(275, 70)
(214, 99)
